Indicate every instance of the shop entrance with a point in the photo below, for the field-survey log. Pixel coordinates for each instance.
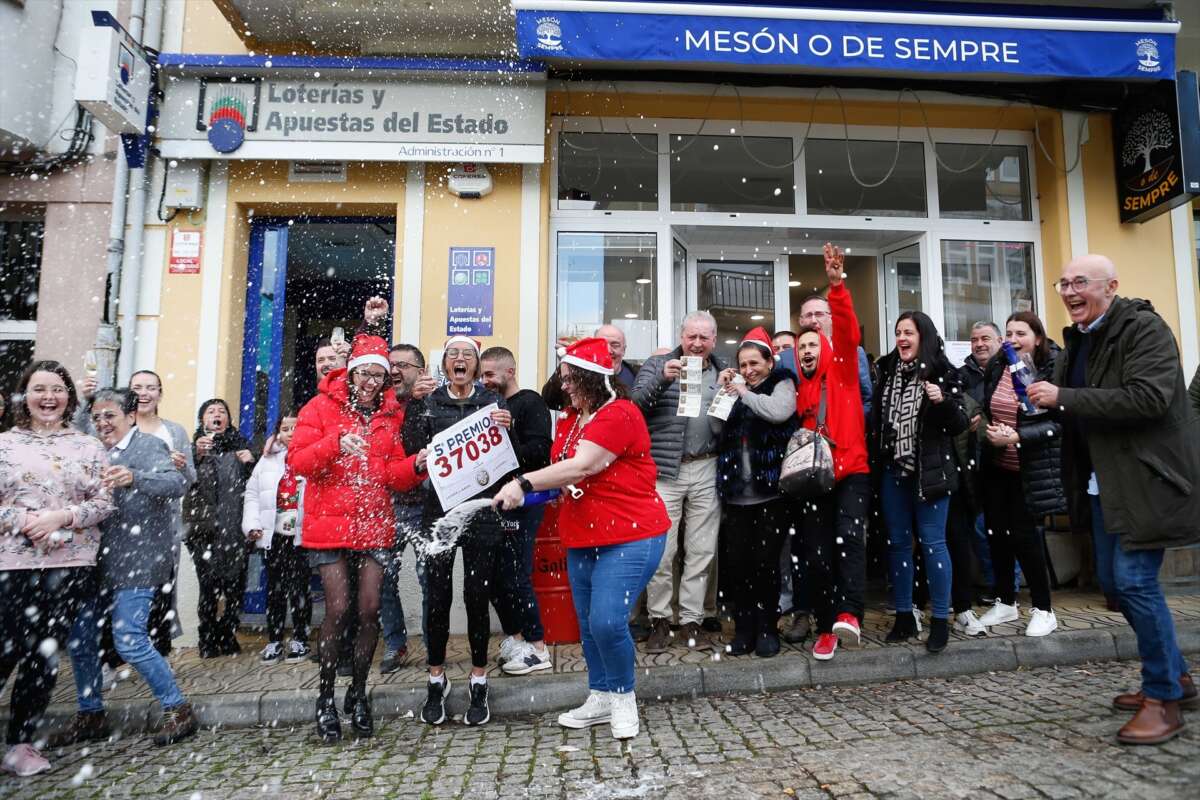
(746, 277)
(306, 276)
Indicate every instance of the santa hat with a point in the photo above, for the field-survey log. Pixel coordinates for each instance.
(368, 350)
(474, 344)
(590, 354)
(760, 338)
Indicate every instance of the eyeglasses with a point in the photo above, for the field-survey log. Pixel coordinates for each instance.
(815, 315)
(399, 365)
(1078, 283)
(370, 377)
(456, 353)
(105, 416)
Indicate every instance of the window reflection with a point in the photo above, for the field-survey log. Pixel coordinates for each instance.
(984, 282)
(608, 171)
(609, 278)
(995, 187)
(720, 173)
(833, 189)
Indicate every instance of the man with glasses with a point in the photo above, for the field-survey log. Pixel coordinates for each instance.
(685, 451)
(1131, 462)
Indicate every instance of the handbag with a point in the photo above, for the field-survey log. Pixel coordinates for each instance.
(807, 471)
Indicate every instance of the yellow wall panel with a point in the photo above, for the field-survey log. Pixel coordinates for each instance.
(207, 30)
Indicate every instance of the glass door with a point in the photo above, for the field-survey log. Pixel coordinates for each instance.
(903, 288)
(740, 295)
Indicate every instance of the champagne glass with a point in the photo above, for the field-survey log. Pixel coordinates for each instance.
(337, 337)
(91, 365)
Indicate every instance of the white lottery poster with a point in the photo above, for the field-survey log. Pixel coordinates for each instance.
(468, 457)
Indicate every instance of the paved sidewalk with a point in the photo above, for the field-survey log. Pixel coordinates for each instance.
(239, 691)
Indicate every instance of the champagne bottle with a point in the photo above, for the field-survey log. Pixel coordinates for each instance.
(1022, 377)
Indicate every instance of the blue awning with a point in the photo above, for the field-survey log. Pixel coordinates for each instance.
(869, 37)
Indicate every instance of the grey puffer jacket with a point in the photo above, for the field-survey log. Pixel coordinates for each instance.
(658, 399)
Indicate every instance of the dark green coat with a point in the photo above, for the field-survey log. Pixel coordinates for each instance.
(1194, 391)
(1142, 433)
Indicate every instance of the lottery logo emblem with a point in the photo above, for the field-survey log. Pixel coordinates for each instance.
(482, 477)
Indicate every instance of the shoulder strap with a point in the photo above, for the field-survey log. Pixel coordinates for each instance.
(821, 408)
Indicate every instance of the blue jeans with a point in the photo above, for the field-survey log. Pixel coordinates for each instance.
(130, 614)
(1132, 577)
(605, 583)
(512, 591)
(391, 610)
(898, 497)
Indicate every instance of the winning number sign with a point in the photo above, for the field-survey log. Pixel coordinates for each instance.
(468, 457)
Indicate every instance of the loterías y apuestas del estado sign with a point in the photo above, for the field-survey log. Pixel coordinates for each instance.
(427, 119)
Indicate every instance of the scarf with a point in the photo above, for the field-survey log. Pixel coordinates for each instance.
(808, 389)
(902, 401)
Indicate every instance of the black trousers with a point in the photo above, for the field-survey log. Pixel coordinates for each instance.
(1013, 535)
(834, 531)
(479, 564)
(960, 530)
(287, 584)
(753, 536)
(56, 594)
(218, 626)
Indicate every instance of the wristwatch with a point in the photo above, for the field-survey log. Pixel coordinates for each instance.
(525, 485)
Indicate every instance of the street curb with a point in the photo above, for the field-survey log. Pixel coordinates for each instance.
(548, 693)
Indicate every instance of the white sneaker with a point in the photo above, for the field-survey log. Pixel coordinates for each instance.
(509, 648)
(1041, 623)
(968, 623)
(999, 613)
(528, 659)
(272, 653)
(624, 720)
(596, 710)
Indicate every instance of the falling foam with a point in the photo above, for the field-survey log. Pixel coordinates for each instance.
(449, 529)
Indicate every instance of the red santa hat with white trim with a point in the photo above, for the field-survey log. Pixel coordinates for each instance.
(760, 338)
(458, 338)
(368, 350)
(590, 354)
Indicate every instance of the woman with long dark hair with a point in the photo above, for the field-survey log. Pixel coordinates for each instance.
(612, 522)
(1022, 478)
(916, 411)
(212, 508)
(346, 447)
(52, 501)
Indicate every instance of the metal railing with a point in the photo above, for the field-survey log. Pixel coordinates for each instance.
(737, 291)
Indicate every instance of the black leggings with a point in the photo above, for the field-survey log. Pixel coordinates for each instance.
(217, 628)
(335, 578)
(754, 535)
(287, 582)
(960, 530)
(1013, 536)
(56, 594)
(479, 563)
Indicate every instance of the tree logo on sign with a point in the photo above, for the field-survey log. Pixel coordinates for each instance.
(1147, 56)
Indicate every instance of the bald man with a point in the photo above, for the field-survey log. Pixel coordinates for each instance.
(626, 371)
(1131, 467)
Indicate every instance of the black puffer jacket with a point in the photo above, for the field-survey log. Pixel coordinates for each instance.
(938, 424)
(434, 414)
(1040, 450)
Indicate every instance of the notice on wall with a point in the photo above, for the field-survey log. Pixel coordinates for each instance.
(470, 298)
(470, 456)
(185, 252)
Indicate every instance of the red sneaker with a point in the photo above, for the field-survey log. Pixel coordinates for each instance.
(847, 631)
(825, 647)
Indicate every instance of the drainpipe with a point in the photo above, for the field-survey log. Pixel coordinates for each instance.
(107, 344)
(132, 257)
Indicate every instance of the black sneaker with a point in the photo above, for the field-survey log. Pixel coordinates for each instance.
(478, 713)
(392, 660)
(272, 653)
(296, 652)
(434, 710)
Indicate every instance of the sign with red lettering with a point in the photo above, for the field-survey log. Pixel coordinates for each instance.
(469, 456)
(185, 252)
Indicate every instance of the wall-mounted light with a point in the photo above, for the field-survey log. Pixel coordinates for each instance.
(631, 316)
(643, 281)
(756, 317)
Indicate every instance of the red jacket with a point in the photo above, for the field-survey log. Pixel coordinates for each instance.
(347, 503)
(838, 365)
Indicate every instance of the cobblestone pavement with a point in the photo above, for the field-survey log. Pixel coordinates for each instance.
(1045, 733)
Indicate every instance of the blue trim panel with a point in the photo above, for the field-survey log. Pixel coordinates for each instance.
(278, 314)
(364, 63)
(254, 270)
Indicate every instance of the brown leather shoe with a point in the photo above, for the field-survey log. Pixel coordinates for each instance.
(694, 636)
(660, 637)
(799, 629)
(85, 726)
(178, 723)
(1132, 701)
(1154, 723)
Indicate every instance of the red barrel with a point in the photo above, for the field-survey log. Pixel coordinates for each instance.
(550, 582)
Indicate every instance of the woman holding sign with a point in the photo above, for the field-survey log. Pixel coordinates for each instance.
(461, 397)
(612, 522)
(346, 447)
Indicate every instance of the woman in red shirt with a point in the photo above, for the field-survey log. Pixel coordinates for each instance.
(611, 520)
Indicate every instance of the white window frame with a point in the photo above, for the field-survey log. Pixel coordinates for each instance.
(929, 230)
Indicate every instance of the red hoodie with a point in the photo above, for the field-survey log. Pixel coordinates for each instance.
(347, 502)
(838, 365)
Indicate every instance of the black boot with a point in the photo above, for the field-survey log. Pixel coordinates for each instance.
(767, 644)
(939, 635)
(352, 694)
(361, 721)
(743, 634)
(903, 629)
(329, 727)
